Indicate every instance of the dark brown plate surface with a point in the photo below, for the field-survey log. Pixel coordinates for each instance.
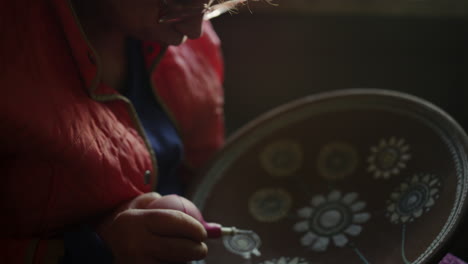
(355, 176)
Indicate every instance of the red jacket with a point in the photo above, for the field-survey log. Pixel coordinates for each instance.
(71, 147)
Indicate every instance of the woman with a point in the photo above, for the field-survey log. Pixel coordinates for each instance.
(104, 102)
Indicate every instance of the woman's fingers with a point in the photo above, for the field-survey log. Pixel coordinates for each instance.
(142, 201)
(173, 223)
(154, 236)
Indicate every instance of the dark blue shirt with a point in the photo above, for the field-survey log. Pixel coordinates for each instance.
(159, 128)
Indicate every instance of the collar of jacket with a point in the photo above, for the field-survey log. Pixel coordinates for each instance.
(89, 67)
(86, 57)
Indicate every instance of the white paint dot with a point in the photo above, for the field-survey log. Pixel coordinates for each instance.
(353, 230)
(301, 226)
(321, 244)
(308, 239)
(242, 243)
(340, 240)
(305, 212)
(412, 199)
(330, 218)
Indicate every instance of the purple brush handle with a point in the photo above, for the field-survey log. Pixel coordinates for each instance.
(451, 259)
(212, 229)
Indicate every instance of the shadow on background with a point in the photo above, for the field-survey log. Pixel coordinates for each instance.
(273, 58)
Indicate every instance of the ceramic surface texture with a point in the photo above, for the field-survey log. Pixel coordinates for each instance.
(355, 176)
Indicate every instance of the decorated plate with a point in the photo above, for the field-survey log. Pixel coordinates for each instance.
(353, 176)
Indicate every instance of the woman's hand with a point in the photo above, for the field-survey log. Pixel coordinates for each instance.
(139, 235)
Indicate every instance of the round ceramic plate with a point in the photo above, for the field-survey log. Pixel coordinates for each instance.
(353, 176)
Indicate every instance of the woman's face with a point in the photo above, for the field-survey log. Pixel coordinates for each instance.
(140, 19)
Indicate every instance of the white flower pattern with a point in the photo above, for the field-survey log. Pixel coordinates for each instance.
(245, 243)
(388, 158)
(412, 198)
(332, 218)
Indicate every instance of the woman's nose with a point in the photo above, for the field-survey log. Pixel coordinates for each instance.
(191, 27)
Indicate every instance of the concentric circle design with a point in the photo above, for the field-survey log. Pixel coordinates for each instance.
(285, 260)
(388, 158)
(270, 204)
(331, 218)
(337, 160)
(281, 158)
(244, 244)
(413, 197)
(241, 243)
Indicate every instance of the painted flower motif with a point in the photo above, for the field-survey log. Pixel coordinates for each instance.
(281, 158)
(412, 198)
(388, 158)
(270, 204)
(332, 218)
(337, 160)
(284, 260)
(245, 243)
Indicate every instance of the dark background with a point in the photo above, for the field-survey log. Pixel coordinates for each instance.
(276, 54)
